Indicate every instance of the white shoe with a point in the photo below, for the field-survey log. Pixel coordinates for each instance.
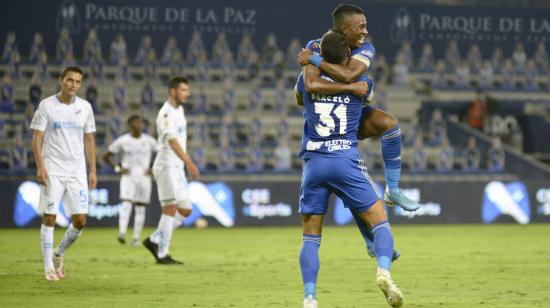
(393, 295)
(51, 275)
(310, 302)
(58, 265)
(136, 242)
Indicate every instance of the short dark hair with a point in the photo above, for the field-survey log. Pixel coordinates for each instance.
(334, 47)
(175, 82)
(133, 118)
(343, 10)
(74, 69)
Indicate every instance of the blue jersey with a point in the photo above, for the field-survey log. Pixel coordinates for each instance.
(331, 122)
(364, 53)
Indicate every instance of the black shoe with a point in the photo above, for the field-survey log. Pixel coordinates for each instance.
(168, 261)
(152, 247)
(121, 239)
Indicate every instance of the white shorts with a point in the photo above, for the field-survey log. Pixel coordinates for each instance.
(172, 187)
(135, 189)
(72, 191)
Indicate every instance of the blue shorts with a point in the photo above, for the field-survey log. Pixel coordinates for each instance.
(366, 110)
(345, 177)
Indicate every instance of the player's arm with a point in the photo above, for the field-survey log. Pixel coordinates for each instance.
(41, 172)
(89, 144)
(108, 159)
(313, 83)
(189, 164)
(353, 69)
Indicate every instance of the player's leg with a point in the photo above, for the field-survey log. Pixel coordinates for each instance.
(313, 206)
(158, 243)
(75, 200)
(309, 257)
(143, 197)
(368, 237)
(375, 122)
(127, 192)
(48, 204)
(376, 217)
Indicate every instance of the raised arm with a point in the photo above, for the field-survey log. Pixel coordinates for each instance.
(345, 73)
(89, 143)
(315, 84)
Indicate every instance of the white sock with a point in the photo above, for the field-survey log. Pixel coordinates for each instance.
(124, 213)
(139, 221)
(155, 236)
(70, 237)
(178, 220)
(165, 229)
(46, 242)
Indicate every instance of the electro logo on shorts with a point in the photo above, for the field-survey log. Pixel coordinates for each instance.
(258, 204)
(506, 199)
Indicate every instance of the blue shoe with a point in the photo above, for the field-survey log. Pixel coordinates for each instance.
(397, 197)
(396, 254)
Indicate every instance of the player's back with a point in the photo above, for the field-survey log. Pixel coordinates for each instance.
(331, 123)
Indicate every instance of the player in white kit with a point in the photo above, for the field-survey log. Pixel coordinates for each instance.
(168, 169)
(63, 132)
(135, 149)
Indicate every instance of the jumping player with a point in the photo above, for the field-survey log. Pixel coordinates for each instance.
(332, 165)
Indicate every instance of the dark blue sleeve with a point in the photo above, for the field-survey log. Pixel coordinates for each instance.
(366, 51)
(314, 45)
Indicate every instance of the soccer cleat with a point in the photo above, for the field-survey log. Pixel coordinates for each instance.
(393, 295)
(51, 275)
(135, 242)
(396, 254)
(167, 260)
(397, 197)
(310, 302)
(121, 239)
(152, 247)
(58, 265)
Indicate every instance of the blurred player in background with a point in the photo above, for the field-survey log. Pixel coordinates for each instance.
(64, 129)
(135, 149)
(332, 165)
(351, 21)
(168, 169)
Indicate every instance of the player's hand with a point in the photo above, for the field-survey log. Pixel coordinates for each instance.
(42, 176)
(149, 172)
(92, 180)
(124, 171)
(304, 55)
(360, 88)
(194, 172)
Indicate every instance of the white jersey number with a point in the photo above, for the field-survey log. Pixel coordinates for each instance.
(327, 114)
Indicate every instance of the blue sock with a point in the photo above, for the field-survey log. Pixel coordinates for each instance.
(391, 153)
(309, 263)
(383, 244)
(365, 230)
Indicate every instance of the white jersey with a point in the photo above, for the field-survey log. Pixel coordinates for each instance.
(135, 153)
(64, 126)
(171, 124)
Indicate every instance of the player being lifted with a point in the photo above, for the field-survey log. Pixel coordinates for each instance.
(135, 149)
(351, 21)
(63, 134)
(332, 165)
(168, 170)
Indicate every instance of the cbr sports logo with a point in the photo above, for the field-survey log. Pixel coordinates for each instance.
(68, 18)
(214, 200)
(402, 29)
(506, 199)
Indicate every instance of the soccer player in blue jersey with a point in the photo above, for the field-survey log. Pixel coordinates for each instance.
(332, 165)
(350, 20)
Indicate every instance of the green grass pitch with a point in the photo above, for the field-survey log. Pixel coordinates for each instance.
(441, 266)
